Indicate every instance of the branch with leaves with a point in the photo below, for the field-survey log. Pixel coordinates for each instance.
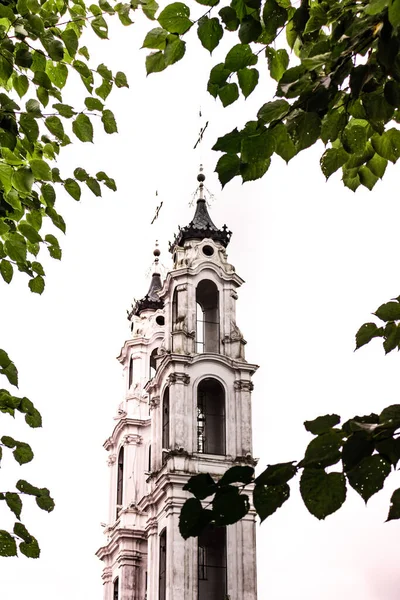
(23, 454)
(366, 449)
(340, 83)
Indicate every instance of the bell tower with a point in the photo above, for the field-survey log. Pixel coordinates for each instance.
(187, 410)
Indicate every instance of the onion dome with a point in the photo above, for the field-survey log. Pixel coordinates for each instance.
(201, 226)
(151, 301)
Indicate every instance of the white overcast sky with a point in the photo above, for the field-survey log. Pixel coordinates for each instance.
(317, 260)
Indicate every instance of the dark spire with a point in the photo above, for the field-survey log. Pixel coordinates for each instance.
(201, 225)
(151, 300)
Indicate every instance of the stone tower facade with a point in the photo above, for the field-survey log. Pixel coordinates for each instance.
(187, 410)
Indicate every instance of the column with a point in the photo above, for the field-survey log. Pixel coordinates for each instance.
(178, 410)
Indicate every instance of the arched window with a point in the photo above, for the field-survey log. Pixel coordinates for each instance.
(162, 576)
(207, 315)
(130, 376)
(149, 465)
(212, 563)
(174, 308)
(165, 420)
(115, 590)
(210, 417)
(120, 480)
(153, 364)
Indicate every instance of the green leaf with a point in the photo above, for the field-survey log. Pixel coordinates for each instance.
(367, 178)
(356, 447)
(237, 474)
(121, 80)
(394, 510)
(155, 62)
(201, 486)
(229, 18)
(333, 124)
(29, 546)
(175, 18)
(70, 40)
(250, 30)
(33, 419)
(94, 104)
(8, 546)
(36, 285)
(387, 145)
(104, 72)
(322, 424)
(369, 475)
(355, 136)
(377, 165)
(278, 62)
(390, 449)
(324, 450)
(248, 79)
(229, 506)
(57, 219)
(48, 193)
(29, 232)
(209, 32)
(285, 147)
(55, 127)
(40, 170)
(21, 84)
(239, 57)
(322, 493)
(351, 179)
(208, 2)
(332, 160)
(174, 51)
(100, 27)
(193, 518)
(94, 186)
(156, 39)
(394, 13)
(23, 58)
(272, 111)
(73, 188)
(65, 110)
(29, 126)
(27, 488)
(305, 129)
(6, 270)
(8, 441)
(230, 142)
(375, 6)
(256, 153)
(15, 246)
(227, 168)
(277, 474)
(390, 415)
(228, 94)
(23, 453)
(14, 503)
(83, 128)
(267, 499)
(274, 17)
(45, 503)
(108, 120)
(150, 7)
(390, 311)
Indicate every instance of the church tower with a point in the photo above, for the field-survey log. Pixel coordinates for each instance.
(186, 410)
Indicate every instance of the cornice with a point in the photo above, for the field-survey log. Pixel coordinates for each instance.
(140, 341)
(192, 271)
(125, 422)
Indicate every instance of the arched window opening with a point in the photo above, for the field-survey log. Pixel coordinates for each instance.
(130, 376)
(212, 563)
(174, 308)
(165, 421)
(149, 464)
(162, 587)
(207, 316)
(116, 591)
(210, 417)
(120, 480)
(153, 363)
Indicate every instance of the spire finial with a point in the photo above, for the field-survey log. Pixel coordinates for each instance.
(156, 253)
(201, 178)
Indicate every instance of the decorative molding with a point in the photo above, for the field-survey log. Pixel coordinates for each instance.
(154, 402)
(182, 287)
(243, 385)
(234, 295)
(107, 575)
(132, 438)
(111, 459)
(179, 378)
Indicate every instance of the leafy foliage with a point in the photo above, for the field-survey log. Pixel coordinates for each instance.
(22, 452)
(365, 450)
(40, 46)
(340, 84)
